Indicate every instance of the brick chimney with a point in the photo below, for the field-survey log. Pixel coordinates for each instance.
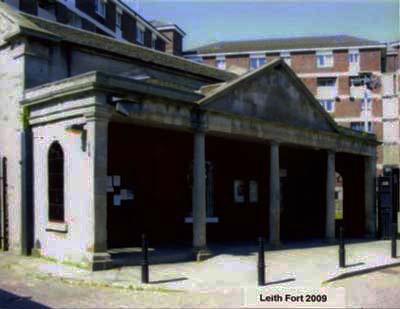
(174, 34)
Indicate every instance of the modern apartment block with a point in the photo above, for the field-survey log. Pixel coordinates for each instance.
(390, 103)
(343, 72)
(107, 17)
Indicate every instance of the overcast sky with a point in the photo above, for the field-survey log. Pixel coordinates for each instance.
(208, 21)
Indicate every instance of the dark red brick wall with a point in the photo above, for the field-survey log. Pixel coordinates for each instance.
(391, 64)
(28, 6)
(311, 84)
(128, 28)
(343, 85)
(304, 62)
(370, 60)
(239, 61)
(346, 108)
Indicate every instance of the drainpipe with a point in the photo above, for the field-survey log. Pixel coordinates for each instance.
(26, 184)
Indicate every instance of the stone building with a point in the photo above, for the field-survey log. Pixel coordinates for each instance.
(343, 72)
(102, 140)
(107, 17)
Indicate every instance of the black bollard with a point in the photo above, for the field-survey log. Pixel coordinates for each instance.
(261, 263)
(394, 240)
(342, 252)
(145, 262)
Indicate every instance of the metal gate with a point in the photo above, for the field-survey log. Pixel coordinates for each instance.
(388, 201)
(4, 225)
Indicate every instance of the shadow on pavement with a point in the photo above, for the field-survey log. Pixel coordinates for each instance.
(280, 281)
(354, 265)
(13, 301)
(169, 280)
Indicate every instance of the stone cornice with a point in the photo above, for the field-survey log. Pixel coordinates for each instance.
(103, 82)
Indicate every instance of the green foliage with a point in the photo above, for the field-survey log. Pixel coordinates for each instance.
(24, 116)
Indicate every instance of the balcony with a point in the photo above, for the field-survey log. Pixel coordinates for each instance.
(357, 92)
(354, 68)
(326, 92)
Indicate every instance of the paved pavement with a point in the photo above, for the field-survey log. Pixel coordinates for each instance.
(232, 271)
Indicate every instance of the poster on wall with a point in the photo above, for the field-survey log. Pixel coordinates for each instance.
(124, 194)
(238, 191)
(117, 200)
(253, 191)
(117, 180)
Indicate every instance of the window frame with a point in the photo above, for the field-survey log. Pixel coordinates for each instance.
(118, 20)
(140, 30)
(56, 203)
(258, 59)
(100, 4)
(324, 104)
(324, 56)
(220, 60)
(333, 85)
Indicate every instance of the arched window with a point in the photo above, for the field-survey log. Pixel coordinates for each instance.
(56, 182)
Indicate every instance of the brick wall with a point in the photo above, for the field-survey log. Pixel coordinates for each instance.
(304, 62)
(377, 107)
(239, 61)
(370, 60)
(391, 63)
(343, 85)
(346, 108)
(29, 7)
(209, 61)
(311, 84)
(129, 28)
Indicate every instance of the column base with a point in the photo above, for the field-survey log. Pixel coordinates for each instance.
(100, 261)
(275, 244)
(201, 254)
(331, 240)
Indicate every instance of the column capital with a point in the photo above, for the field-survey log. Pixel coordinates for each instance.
(274, 142)
(198, 121)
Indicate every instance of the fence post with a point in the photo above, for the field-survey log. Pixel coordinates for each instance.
(394, 240)
(342, 250)
(261, 262)
(145, 262)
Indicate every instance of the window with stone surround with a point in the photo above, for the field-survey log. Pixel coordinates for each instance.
(56, 182)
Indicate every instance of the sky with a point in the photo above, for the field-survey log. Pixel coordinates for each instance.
(209, 21)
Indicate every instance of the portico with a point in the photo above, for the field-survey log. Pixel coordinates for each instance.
(252, 157)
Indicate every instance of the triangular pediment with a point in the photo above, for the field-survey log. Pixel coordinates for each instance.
(7, 26)
(272, 93)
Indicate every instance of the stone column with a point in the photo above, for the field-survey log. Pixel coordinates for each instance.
(330, 197)
(97, 144)
(274, 195)
(199, 195)
(369, 193)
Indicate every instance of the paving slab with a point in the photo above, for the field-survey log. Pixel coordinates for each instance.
(232, 269)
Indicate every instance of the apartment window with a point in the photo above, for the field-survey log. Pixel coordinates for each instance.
(198, 59)
(360, 126)
(74, 20)
(118, 20)
(139, 34)
(100, 7)
(221, 63)
(56, 182)
(324, 59)
(354, 58)
(286, 58)
(153, 42)
(257, 61)
(326, 82)
(329, 105)
(366, 103)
